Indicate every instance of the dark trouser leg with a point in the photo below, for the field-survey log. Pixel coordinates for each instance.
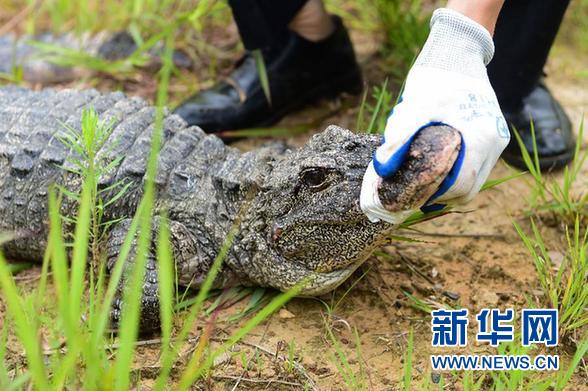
(263, 23)
(299, 71)
(524, 34)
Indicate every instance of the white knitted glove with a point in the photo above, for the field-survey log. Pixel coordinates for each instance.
(448, 84)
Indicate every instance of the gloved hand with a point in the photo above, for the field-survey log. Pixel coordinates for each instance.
(448, 84)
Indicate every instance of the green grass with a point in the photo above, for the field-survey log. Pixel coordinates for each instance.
(74, 319)
(497, 380)
(16, 77)
(574, 25)
(292, 359)
(148, 22)
(53, 326)
(146, 40)
(354, 379)
(565, 201)
(407, 361)
(141, 17)
(85, 163)
(564, 284)
(330, 316)
(372, 117)
(528, 380)
(405, 25)
(262, 71)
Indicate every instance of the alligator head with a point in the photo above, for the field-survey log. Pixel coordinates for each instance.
(314, 226)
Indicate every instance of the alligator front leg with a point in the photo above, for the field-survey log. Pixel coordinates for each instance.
(149, 317)
(191, 265)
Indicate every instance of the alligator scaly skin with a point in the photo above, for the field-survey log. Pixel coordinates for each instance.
(298, 210)
(23, 52)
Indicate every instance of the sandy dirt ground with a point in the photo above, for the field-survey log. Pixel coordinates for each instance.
(473, 260)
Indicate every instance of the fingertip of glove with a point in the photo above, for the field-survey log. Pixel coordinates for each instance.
(373, 219)
(389, 167)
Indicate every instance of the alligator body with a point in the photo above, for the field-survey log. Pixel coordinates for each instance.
(299, 209)
(25, 53)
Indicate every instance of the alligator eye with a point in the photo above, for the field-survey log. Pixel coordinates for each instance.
(315, 178)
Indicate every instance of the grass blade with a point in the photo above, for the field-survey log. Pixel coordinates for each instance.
(192, 374)
(262, 72)
(132, 297)
(407, 377)
(26, 329)
(166, 286)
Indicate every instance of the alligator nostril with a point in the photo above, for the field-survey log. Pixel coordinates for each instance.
(276, 233)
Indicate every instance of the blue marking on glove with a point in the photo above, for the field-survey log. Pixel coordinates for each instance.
(433, 208)
(388, 168)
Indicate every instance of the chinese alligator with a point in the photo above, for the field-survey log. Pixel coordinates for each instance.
(299, 208)
(38, 57)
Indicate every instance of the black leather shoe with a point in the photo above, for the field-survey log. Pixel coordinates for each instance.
(553, 131)
(299, 72)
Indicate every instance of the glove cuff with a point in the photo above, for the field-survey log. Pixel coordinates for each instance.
(457, 43)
